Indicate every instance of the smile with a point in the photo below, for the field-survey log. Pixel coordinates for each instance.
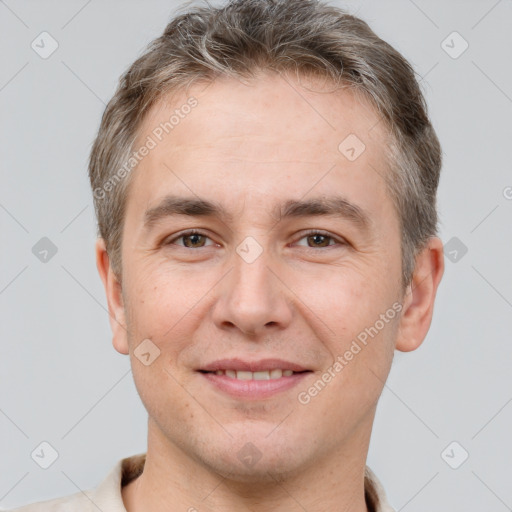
(261, 375)
(253, 380)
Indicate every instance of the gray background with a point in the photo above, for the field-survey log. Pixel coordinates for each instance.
(61, 380)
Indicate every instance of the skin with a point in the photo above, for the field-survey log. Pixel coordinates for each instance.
(305, 299)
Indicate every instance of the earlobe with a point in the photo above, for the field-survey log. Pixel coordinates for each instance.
(418, 302)
(114, 295)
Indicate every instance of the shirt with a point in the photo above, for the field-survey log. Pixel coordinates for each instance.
(107, 496)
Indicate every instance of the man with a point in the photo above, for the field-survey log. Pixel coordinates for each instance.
(265, 184)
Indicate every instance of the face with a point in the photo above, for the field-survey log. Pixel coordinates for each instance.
(261, 259)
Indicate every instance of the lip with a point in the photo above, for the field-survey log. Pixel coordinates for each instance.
(253, 389)
(252, 366)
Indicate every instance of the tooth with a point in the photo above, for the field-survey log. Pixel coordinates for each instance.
(264, 375)
(231, 373)
(219, 372)
(276, 374)
(287, 373)
(243, 375)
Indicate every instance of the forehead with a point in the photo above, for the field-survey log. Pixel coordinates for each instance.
(276, 106)
(272, 136)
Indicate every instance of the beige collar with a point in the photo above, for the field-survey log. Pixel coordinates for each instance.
(108, 495)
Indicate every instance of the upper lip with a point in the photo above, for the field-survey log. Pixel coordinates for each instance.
(252, 366)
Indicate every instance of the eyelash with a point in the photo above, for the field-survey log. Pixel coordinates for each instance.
(339, 242)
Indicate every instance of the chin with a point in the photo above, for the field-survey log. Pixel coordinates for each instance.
(263, 472)
(256, 457)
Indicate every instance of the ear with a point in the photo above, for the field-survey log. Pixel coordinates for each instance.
(418, 302)
(113, 291)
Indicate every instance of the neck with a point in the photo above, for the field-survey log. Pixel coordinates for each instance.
(170, 476)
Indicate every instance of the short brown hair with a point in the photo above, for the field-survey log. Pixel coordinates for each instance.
(242, 37)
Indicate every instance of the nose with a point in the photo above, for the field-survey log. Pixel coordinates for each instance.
(253, 298)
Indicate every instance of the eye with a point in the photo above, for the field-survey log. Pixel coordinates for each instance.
(315, 239)
(319, 239)
(190, 240)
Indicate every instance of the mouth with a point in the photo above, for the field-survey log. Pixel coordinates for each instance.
(275, 373)
(253, 380)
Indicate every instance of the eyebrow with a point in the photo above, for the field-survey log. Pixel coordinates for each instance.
(196, 207)
(336, 206)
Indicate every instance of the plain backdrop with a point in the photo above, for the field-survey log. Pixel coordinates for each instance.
(61, 380)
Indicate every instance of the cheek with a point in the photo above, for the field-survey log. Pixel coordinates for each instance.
(167, 305)
(344, 297)
(360, 365)
(159, 298)
(358, 314)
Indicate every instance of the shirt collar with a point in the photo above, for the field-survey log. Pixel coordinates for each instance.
(108, 494)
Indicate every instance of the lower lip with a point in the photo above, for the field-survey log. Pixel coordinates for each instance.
(254, 389)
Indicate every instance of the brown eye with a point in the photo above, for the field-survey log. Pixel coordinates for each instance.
(194, 240)
(318, 240)
(191, 240)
